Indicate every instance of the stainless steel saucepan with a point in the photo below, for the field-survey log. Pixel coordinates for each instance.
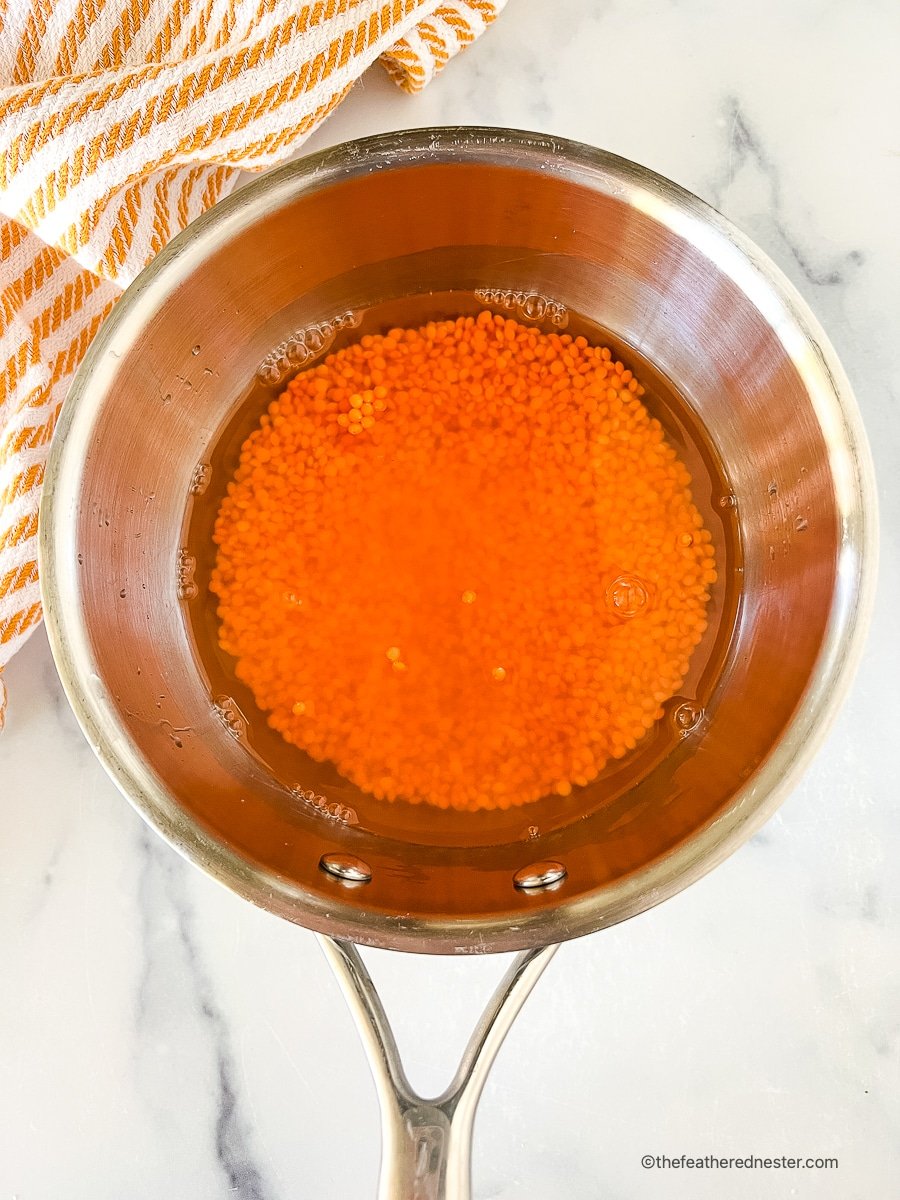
(266, 281)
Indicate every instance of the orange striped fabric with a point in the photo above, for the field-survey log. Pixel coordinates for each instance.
(121, 121)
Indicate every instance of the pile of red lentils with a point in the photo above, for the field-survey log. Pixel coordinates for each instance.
(462, 563)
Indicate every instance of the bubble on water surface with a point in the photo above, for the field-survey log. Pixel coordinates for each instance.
(627, 596)
(187, 565)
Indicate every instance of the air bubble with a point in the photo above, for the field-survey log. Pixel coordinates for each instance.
(534, 308)
(331, 810)
(315, 340)
(200, 478)
(626, 596)
(195, 350)
(529, 306)
(230, 716)
(185, 588)
(303, 346)
(729, 500)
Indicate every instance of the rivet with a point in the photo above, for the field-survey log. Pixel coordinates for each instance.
(346, 867)
(539, 875)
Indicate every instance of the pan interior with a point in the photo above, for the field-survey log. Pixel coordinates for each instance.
(161, 405)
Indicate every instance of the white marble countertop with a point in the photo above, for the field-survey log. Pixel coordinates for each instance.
(161, 1038)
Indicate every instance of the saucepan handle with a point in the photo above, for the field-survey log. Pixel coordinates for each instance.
(426, 1149)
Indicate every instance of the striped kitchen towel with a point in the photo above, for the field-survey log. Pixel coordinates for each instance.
(122, 120)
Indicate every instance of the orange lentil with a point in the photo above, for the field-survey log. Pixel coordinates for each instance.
(488, 460)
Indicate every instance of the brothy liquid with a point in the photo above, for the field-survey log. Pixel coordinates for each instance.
(463, 562)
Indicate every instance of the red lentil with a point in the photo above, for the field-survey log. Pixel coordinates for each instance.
(462, 563)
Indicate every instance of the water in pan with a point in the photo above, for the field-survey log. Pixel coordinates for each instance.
(318, 786)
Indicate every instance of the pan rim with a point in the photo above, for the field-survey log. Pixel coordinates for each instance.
(751, 806)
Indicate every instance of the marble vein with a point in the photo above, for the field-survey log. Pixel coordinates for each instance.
(169, 941)
(746, 151)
